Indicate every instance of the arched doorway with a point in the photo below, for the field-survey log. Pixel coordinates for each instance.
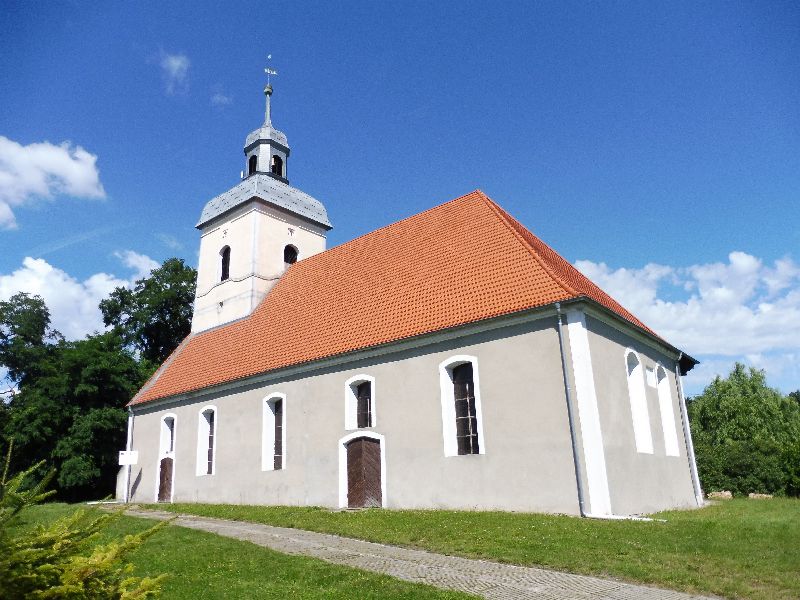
(362, 471)
(165, 480)
(166, 464)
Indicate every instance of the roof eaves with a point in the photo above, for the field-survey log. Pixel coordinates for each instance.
(158, 372)
(358, 353)
(686, 362)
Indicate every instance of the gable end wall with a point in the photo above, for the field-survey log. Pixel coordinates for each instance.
(638, 483)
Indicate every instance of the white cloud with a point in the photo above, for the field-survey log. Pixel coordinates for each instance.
(73, 304)
(718, 312)
(220, 99)
(43, 170)
(175, 68)
(141, 264)
(169, 241)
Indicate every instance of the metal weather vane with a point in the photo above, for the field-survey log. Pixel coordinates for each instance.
(269, 71)
(268, 91)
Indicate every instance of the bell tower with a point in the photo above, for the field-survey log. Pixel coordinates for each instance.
(266, 149)
(254, 232)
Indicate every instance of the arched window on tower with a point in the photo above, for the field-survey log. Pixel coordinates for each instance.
(277, 165)
(252, 165)
(225, 253)
(290, 254)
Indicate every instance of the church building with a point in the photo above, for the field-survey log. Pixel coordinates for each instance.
(449, 360)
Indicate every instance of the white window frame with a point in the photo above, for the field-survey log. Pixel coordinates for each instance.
(351, 401)
(360, 433)
(448, 401)
(163, 450)
(201, 469)
(637, 395)
(165, 453)
(268, 432)
(668, 426)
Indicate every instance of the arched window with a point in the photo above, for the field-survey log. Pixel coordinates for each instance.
(638, 399)
(466, 419)
(364, 404)
(206, 440)
(277, 165)
(225, 253)
(667, 414)
(359, 398)
(290, 254)
(167, 445)
(462, 421)
(273, 433)
(252, 164)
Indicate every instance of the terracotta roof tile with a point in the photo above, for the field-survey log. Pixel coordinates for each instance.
(460, 262)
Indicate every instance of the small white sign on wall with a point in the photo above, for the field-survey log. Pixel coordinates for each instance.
(128, 457)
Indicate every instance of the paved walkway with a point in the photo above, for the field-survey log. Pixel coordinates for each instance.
(487, 579)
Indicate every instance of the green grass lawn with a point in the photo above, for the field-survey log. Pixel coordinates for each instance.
(737, 548)
(205, 565)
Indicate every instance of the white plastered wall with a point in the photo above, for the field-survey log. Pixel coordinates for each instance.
(256, 234)
(527, 465)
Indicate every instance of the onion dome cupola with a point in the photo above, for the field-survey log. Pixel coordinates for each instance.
(266, 149)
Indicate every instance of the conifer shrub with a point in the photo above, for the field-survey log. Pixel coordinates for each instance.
(63, 559)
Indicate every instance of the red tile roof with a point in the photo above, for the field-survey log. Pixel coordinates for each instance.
(460, 262)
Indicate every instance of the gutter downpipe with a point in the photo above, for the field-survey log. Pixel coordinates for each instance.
(687, 433)
(571, 416)
(128, 445)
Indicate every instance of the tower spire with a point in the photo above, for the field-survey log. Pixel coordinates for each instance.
(267, 112)
(268, 92)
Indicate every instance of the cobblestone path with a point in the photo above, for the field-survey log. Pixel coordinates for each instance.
(488, 579)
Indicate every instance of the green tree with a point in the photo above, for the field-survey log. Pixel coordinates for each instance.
(67, 405)
(72, 415)
(744, 433)
(156, 315)
(26, 337)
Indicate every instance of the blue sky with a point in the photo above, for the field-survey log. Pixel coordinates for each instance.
(655, 146)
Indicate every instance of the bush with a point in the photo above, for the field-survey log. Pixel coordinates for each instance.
(746, 435)
(62, 559)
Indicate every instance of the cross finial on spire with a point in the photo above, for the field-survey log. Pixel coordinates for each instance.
(268, 91)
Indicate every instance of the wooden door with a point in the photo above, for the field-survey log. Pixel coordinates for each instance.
(364, 473)
(165, 480)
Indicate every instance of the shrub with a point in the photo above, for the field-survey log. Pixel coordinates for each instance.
(746, 435)
(63, 559)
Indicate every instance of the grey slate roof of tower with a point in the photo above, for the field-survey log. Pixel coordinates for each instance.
(272, 191)
(266, 132)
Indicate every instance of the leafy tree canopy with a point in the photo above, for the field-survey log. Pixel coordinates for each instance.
(156, 315)
(744, 434)
(72, 414)
(67, 400)
(25, 335)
